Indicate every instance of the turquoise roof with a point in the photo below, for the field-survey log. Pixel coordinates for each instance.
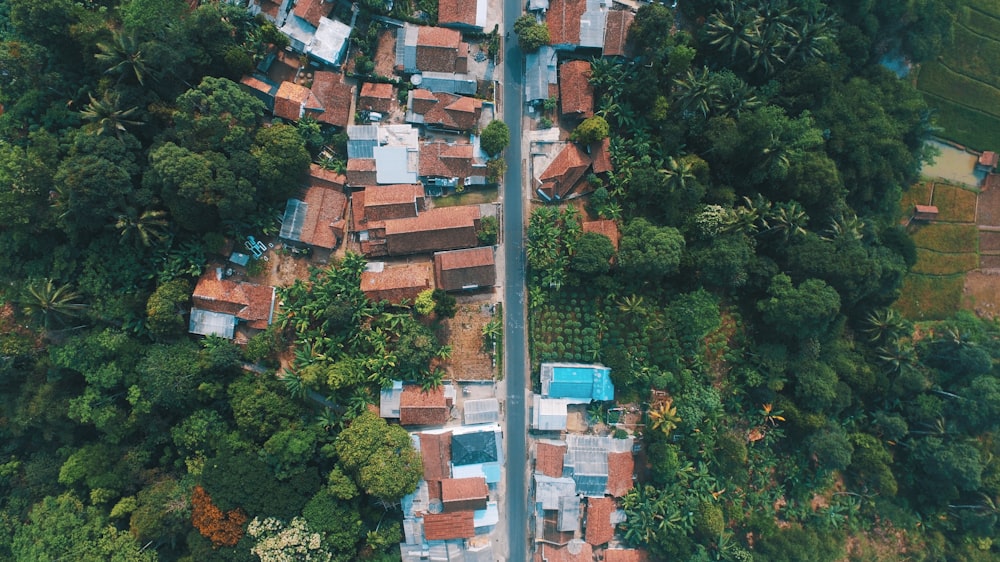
(582, 382)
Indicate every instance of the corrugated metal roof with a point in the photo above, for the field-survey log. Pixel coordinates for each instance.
(540, 71)
(449, 82)
(361, 141)
(548, 490)
(486, 410)
(406, 47)
(592, 24)
(292, 221)
(207, 323)
(569, 514)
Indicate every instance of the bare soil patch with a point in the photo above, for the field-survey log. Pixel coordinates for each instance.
(282, 269)
(988, 213)
(464, 333)
(385, 54)
(989, 241)
(982, 294)
(989, 262)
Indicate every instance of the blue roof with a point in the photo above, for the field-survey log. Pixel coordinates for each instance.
(582, 382)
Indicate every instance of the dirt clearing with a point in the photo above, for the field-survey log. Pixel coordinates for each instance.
(464, 333)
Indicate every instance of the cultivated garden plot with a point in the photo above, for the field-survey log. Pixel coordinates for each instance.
(988, 214)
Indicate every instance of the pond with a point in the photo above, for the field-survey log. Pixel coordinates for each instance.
(954, 165)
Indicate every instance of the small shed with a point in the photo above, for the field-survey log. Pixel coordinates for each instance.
(924, 212)
(988, 160)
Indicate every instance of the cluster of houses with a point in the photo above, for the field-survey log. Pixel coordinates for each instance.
(454, 508)
(578, 477)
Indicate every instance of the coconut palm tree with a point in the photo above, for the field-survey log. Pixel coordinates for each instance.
(788, 220)
(49, 304)
(663, 417)
(845, 227)
(677, 172)
(884, 325)
(104, 116)
(122, 57)
(142, 228)
(733, 31)
(695, 92)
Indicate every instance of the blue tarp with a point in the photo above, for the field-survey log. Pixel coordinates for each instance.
(582, 382)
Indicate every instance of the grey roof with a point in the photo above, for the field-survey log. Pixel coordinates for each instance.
(535, 5)
(443, 551)
(592, 24)
(208, 323)
(395, 164)
(548, 414)
(299, 31)
(388, 404)
(474, 448)
(548, 490)
(329, 44)
(294, 218)
(586, 461)
(569, 514)
(540, 71)
(362, 140)
(406, 47)
(450, 82)
(486, 410)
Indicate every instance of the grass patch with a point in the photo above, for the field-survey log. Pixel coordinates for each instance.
(467, 197)
(964, 125)
(926, 297)
(937, 263)
(979, 21)
(945, 82)
(948, 238)
(991, 7)
(917, 194)
(955, 203)
(975, 55)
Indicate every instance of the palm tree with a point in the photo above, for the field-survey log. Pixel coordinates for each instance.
(48, 303)
(104, 115)
(678, 172)
(143, 228)
(696, 92)
(846, 227)
(734, 31)
(664, 418)
(294, 385)
(123, 57)
(789, 220)
(884, 325)
(811, 39)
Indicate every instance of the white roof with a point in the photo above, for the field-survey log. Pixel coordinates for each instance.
(330, 41)
(395, 164)
(485, 410)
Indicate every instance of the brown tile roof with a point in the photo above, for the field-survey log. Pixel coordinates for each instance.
(616, 26)
(420, 407)
(361, 172)
(458, 269)
(321, 177)
(624, 555)
(440, 159)
(397, 282)
(395, 201)
(312, 10)
(254, 304)
(435, 452)
(600, 152)
(563, 19)
(620, 469)
(446, 526)
(464, 494)
(336, 98)
(439, 49)
(358, 222)
(450, 111)
(326, 207)
(448, 228)
(377, 96)
(599, 528)
(270, 8)
(457, 11)
(549, 553)
(549, 459)
(575, 92)
(292, 99)
(989, 159)
(257, 84)
(565, 170)
(606, 227)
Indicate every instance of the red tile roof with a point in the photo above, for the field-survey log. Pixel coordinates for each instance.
(606, 227)
(440, 159)
(449, 111)
(446, 526)
(447, 228)
(395, 201)
(458, 269)
(435, 452)
(257, 84)
(599, 529)
(395, 283)
(549, 553)
(464, 494)
(620, 469)
(336, 98)
(457, 11)
(575, 92)
(361, 172)
(989, 159)
(565, 170)
(312, 10)
(377, 96)
(358, 222)
(420, 407)
(563, 19)
(326, 208)
(616, 26)
(549, 459)
(600, 152)
(321, 177)
(439, 49)
(624, 555)
(292, 99)
(249, 302)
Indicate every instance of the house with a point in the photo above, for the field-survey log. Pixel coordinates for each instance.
(484, 410)
(988, 161)
(292, 101)
(466, 15)
(442, 110)
(549, 414)
(425, 407)
(575, 91)
(219, 305)
(447, 228)
(624, 555)
(541, 78)
(924, 212)
(608, 228)
(261, 88)
(450, 165)
(576, 23)
(563, 174)
(572, 552)
(549, 490)
(361, 172)
(396, 283)
(600, 154)
(458, 270)
(315, 219)
(274, 11)
(323, 39)
(387, 202)
(599, 529)
(588, 460)
(435, 452)
(335, 96)
(621, 466)
(460, 83)
(576, 381)
(312, 11)
(477, 451)
(377, 96)
(549, 458)
(361, 142)
(467, 551)
(329, 100)
(430, 49)
(445, 526)
(616, 29)
(464, 494)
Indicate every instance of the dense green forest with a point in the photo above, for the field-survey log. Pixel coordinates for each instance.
(760, 154)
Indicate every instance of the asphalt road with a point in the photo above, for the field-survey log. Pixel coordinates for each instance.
(515, 309)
